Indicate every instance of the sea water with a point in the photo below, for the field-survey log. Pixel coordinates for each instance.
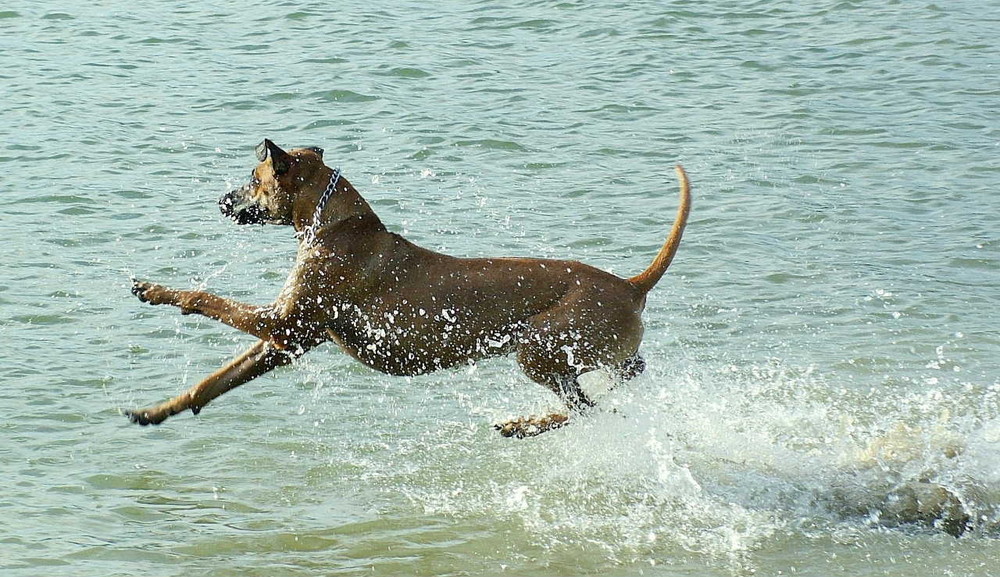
(824, 347)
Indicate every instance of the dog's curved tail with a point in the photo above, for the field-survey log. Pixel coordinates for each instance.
(648, 278)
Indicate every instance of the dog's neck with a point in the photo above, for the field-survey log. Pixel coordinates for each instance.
(309, 233)
(337, 203)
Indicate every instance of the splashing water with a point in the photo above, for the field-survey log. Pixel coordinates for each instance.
(709, 465)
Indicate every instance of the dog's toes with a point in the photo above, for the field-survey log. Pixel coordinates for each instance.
(531, 426)
(508, 429)
(139, 289)
(138, 417)
(144, 417)
(151, 293)
(159, 413)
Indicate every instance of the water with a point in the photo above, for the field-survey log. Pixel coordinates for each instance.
(825, 341)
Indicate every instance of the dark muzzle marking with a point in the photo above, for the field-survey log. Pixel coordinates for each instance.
(229, 206)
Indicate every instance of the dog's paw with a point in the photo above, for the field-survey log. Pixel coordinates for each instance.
(145, 417)
(531, 426)
(139, 289)
(158, 414)
(151, 293)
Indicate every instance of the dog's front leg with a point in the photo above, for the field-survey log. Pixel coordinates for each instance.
(283, 328)
(259, 359)
(228, 311)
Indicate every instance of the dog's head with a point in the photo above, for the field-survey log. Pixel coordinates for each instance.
(275, 185)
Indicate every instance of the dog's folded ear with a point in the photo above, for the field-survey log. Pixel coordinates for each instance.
(262, 150)
(280, 159)
(316, 149)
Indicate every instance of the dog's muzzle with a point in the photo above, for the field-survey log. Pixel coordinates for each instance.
(233, 205)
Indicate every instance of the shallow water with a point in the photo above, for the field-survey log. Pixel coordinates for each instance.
(825, 340)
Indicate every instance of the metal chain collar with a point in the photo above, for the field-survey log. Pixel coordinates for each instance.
(310, 233)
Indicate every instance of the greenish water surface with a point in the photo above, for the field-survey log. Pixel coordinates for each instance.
(826, 338)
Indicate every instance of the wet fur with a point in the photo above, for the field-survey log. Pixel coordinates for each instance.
(405, 310)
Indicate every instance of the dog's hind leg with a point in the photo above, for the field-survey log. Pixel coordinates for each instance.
(572, 394)
(629, 369)
(259, 359)
(546, 354)
(568, 389)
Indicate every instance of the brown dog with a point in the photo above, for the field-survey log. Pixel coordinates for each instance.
(405, 310)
